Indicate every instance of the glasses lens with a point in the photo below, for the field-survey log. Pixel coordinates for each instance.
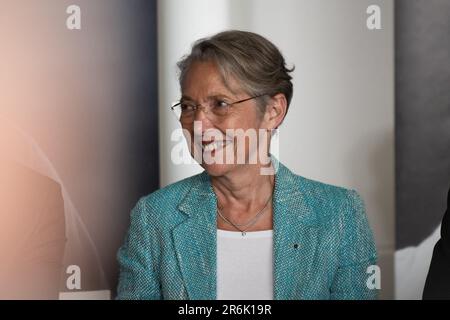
(184, 111)
(176, 108)
(219, 107)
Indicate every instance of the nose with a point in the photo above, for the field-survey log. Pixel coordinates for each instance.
(200, 113)
(201, 120)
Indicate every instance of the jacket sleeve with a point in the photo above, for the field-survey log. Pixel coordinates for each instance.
(356, 276)
(138, 277)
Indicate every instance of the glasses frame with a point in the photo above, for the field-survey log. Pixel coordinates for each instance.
(229, 104)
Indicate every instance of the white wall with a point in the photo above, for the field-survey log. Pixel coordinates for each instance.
(340, 126)
(180, 23)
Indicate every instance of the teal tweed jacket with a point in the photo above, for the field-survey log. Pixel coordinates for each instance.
(322, 242)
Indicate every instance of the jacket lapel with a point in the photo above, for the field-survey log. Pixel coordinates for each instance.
(195, 241)
(295, 238)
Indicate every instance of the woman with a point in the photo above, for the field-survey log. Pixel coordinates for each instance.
(235, 231)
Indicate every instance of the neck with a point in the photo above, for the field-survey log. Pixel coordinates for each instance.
(244, 189)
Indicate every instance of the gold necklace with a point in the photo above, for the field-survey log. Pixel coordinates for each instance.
(248, 224)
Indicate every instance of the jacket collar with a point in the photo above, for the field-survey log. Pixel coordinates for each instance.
(295, 236)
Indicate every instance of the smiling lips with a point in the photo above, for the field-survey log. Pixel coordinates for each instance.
(210, 146)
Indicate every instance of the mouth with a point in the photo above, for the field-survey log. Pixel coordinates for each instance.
(210, 146)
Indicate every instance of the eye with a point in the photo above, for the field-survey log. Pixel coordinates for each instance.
(220, 104)
(187, 107)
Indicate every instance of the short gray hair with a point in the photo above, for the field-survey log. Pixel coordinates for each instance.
(250, 58)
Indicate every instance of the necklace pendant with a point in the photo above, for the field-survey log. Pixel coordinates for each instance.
(244, 233)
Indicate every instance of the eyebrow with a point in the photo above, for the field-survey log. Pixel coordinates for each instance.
(212, 96)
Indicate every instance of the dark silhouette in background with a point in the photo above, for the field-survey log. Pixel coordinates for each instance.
(437, 285)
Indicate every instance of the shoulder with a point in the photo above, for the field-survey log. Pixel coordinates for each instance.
(162, 204)
(171, 194)
(327, 201)
(325, 192)
(340, 213)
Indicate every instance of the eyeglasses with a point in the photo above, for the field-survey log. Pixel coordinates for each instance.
(216, 108)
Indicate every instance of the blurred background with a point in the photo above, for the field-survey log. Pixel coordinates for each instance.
(90, 109)
(422, 55)
(83, 108)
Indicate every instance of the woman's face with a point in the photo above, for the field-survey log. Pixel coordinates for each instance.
(220, 140)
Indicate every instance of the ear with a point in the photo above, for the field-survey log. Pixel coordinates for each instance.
(276, 111)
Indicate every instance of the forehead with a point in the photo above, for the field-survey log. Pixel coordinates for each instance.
(204, 79)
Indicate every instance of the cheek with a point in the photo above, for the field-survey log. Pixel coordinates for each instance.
(245, 120)
(243, 146)
(188, 134)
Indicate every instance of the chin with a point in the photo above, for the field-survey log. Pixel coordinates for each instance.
(217, 170)
(216, 167)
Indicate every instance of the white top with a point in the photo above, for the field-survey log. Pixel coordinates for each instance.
(244, 265)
